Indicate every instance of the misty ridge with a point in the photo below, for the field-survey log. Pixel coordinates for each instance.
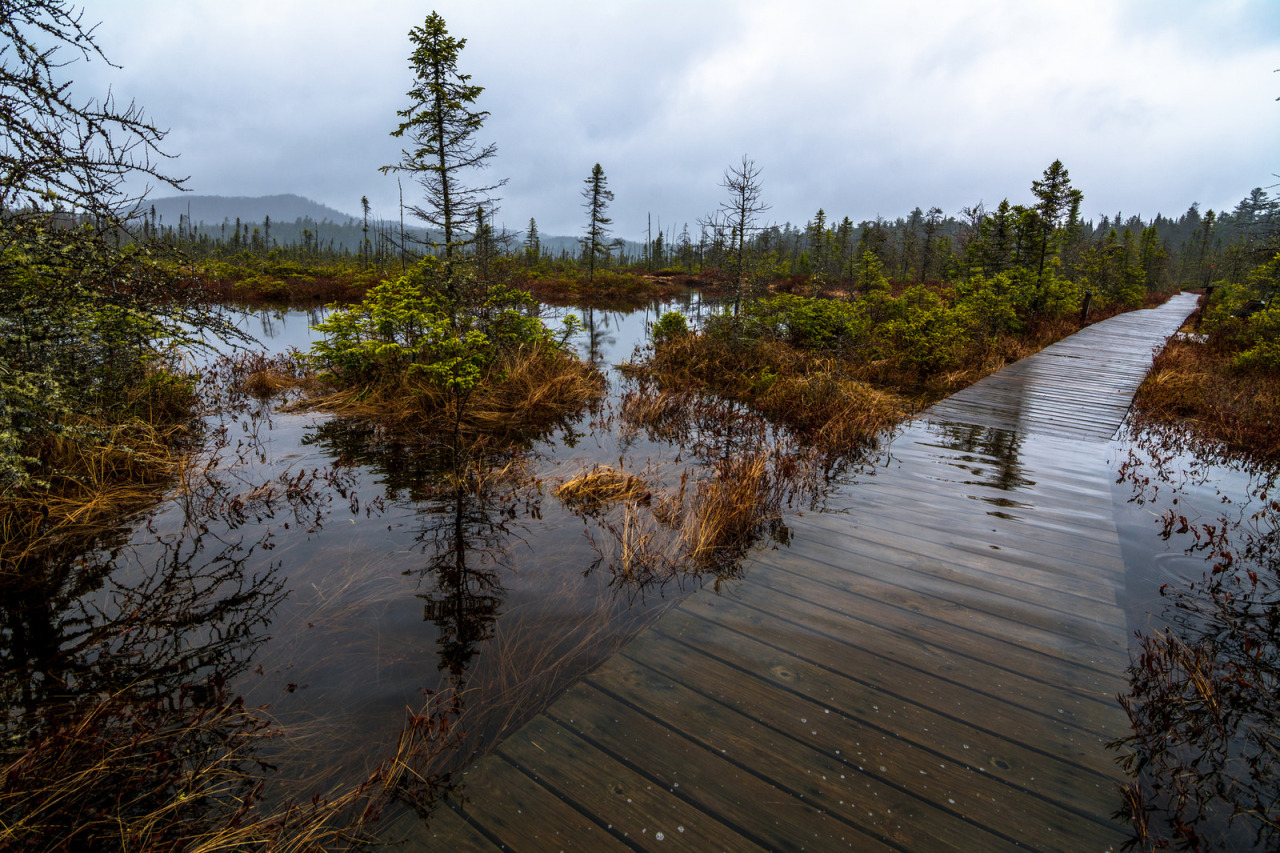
(294, 220)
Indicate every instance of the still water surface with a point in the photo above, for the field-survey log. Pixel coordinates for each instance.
(375, 585)
(392, 586)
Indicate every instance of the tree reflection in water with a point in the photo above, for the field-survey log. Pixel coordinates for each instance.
(1204, 696)
(468, 512)
(116, 651)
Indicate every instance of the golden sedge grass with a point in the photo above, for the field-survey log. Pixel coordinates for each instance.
(525, 390)
(599, 486)
(1191, 384)
(97, 473)
(813, 395)
(706, 523)
(182, 783)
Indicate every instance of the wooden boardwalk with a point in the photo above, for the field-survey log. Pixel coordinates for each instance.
(933, 668)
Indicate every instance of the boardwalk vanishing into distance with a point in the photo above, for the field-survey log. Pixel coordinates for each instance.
(932, 666)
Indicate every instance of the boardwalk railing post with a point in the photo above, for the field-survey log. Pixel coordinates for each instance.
(1088, 303)
(1204, 305)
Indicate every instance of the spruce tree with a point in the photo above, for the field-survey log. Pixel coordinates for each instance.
(441, 125)
(1058, 205)
(597, 196)
(532, 243)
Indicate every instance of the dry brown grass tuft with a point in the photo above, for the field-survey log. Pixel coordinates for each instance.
(729, 508)
(524, 391)
(1192, 384)
(97, 473)
(707, 522)
(601, 485)
(268, 382)
(819, 397)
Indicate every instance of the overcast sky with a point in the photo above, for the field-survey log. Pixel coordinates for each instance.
(860, 108)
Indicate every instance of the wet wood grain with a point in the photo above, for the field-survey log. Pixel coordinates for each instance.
(931, 666)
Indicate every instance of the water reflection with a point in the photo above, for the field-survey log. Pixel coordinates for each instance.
(988, 459)
(993, 455)
(466, 512)
(450, 574)
(599, 333)
(114, 665)
(1204, 694)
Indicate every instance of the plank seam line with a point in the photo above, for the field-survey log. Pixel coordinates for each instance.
(472, 822)
(949, 566)
(1080, 664)
(1045, 539)
(678, 793)
(933, 646)
(571, 803)
(906, 634)
(965, 544)
(1047, 523)
(853, 768)
(752, 771)
(940, 712)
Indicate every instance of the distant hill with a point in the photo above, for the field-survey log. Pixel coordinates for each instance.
(292, 215)
(215, 209)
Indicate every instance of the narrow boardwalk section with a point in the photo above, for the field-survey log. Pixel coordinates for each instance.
(931, 667)
(1080, 387)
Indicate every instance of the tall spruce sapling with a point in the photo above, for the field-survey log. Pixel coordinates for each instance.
(1057, 206)
(440, 126)
(596, 195)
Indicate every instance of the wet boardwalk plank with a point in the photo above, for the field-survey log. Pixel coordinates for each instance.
(1080, 387)
(932, 667)
(967, 773)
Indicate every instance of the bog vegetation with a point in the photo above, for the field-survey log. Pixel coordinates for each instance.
(833, 330)
(1222, 378)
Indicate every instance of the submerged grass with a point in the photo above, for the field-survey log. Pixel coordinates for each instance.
(182, 775)
(602, 485)
(650, 535)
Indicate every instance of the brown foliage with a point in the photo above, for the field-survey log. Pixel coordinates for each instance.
(526, 390)
(1193, 384)
(815, 395)
(602, 485)
(341, 286)
(613, 290)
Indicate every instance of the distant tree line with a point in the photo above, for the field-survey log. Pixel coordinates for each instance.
(1116, 253)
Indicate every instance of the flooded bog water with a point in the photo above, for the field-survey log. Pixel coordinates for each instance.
(342, 581)
(924, 652)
